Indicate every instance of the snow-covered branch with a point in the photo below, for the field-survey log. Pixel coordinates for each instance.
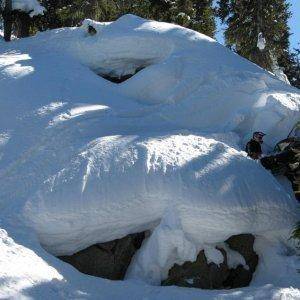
(32, 7)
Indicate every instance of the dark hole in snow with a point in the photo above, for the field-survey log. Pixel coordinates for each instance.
(91, 30)
(119, 79)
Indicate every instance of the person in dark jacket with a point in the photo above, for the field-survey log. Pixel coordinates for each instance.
(286, 161)
(253, 147)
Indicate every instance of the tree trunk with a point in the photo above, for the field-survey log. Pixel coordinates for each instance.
(7, 20)
(23, 24)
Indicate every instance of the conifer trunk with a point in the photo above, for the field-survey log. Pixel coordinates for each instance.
(23, 24)
(7, 20)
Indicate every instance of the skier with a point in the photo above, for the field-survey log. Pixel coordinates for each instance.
(286, 159)
(293, 172)
(253, 147)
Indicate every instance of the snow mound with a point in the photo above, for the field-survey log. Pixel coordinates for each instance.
(20, 273)
(118, 185)
(83, 160)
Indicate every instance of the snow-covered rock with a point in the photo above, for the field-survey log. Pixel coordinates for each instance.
(219, 267)
(85, 161)
(33, 7)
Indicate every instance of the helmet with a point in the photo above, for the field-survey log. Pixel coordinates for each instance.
(258, 135)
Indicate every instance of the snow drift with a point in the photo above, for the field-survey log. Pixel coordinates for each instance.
(83, 160)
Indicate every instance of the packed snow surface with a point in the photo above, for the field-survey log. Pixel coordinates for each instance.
(84, 160)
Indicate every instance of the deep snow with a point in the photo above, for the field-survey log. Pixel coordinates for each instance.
(83, 160)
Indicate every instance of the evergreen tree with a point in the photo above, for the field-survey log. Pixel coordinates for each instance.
(68, 13)
(247, 19)
(290, 63)
(71, 13)
(162, 10)
(183, 13)
(204, 20)
(194, 14)
(50, 20)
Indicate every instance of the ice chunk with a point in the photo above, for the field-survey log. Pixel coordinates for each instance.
(261, 42)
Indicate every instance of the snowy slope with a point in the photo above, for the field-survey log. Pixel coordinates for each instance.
(83, 160)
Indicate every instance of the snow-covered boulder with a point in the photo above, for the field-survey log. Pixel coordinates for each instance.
(85, 161)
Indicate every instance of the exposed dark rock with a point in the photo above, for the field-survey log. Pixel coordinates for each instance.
(240, 277)
(201, 274)
(108, 260)
(243, 243)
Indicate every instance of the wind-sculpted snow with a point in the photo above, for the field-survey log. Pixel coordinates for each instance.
(118, 185)
(84, 160)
